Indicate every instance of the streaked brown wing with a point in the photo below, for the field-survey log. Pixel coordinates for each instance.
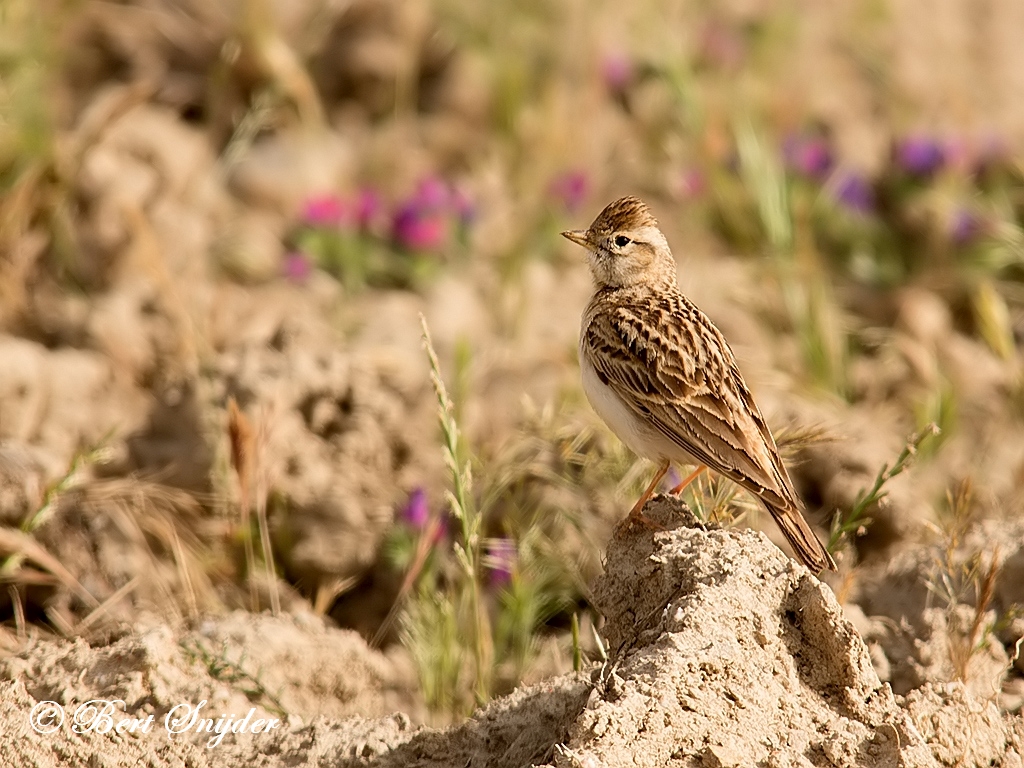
(675, 369)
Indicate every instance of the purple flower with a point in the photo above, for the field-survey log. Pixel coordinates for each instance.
(326, 210)
(296, 266)
(854, 192)
(965, 226)
(616, 71)
(501, 560)
(692, 184)
(418, 228)
(808, 156)
(919, 155)
(416, 512)
(570, 189)
(433, 193)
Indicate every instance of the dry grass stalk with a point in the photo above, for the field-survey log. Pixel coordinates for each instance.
(262, 485)
(103, 608)
(963, 647)
(330, 590)
(27, 548)
(793, 438)
(242, 439)
(428, 536)
(248, 445)
(143, 511)
(19, 610)
(264, 50)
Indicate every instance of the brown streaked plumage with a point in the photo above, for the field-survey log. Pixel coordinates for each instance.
(663, 377)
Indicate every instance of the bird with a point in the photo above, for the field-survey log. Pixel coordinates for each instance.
(664, 379)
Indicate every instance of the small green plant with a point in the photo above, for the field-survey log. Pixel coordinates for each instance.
(221, 667)
(363, 241)
(471, 605)
(938, 406)
(72, 478)
(962, 583)
(717, 499)
(784, 232)
(856, 521)
(438, 624)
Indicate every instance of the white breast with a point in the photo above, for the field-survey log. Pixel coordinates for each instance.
(638, 436)
(641, 437)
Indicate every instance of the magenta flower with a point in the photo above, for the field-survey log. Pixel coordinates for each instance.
(854, 192)
(416, 512)
(617, 71)
(808, 156)
(501, 560)
(570, 189)
(326, 210)
(433, 193)
(418, 228)
(965, 227)
(692, 184)
(296, 266)
(919, 155)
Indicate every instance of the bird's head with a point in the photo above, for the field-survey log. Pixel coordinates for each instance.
(625, 246)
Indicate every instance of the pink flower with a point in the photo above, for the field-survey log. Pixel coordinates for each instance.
(296, 267)
(570, 189)
(616, 71)
(692, 184)
(416, 512)
(417, 228)
(808, 155)
(433, 193)
(965, 227)
(327, 210)
(501, 560)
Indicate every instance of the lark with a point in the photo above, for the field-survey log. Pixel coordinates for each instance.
(663, 377)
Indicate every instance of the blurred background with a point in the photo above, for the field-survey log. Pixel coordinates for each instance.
(221, 220)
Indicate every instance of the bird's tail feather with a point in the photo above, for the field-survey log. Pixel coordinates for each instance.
(805, 543)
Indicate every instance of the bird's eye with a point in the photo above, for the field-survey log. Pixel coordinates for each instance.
(622, 241)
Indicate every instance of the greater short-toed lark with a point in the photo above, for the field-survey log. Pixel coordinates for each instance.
(663, 377)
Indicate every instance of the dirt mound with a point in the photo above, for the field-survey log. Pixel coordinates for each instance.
(724, 652)
(289, 668)
(923, 605)
(728, 653)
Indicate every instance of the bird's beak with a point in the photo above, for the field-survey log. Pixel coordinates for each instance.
(578, 236)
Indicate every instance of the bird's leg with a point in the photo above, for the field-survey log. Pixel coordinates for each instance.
(689, 479)
(636, 513)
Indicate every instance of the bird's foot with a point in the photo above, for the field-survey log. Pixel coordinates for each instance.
(636, 517)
